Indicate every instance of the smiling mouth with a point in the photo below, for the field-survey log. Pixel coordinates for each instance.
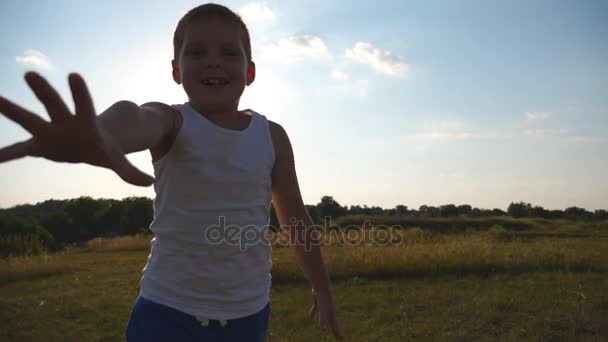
(214, 81)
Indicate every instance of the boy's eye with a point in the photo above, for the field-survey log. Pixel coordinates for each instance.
(195, 52)
(231, 53)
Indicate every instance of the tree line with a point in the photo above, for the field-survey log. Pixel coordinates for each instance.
(50, 225)
(330, 207)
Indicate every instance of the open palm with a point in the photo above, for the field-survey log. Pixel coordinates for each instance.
(72, 138)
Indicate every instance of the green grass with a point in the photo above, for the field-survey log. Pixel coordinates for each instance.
(457, 287)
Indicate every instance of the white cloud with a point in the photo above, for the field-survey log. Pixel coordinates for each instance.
(546, 132)
(456, 131)
(561, 135)
(535, 132)
(382, 61)
(449, 126)
(296, 48)
(34, 58)
(531, 116)
(581, 139)
(339, 75)
(257, 11)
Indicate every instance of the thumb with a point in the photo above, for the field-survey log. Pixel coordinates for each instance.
(312, 313)
(129, 173)
(16, 151)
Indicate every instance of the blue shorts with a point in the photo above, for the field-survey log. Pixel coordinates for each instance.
(151, 322)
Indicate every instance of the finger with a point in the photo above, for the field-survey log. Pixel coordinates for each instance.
(49, 97)
(336, 330)
(26, 119)
(323, 322)
(313, 309)
(312, 313)
(15, 151)
(82, 97)
(130, 173)
(335, 327)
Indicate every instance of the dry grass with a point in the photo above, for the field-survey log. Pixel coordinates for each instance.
(30, 267)
(364, 253)
(422, 253)
(420, 286)
(122, 243)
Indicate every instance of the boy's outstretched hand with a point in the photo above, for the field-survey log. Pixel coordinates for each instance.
(67, 138)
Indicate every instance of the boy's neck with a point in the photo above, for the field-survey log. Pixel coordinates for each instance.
(226, 117)
(215, 112)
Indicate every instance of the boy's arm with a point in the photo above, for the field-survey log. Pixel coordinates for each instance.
(137, 128)
(292, 215)
(83, 137)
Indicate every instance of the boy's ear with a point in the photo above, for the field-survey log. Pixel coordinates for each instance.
(175, 72)
(250, 73)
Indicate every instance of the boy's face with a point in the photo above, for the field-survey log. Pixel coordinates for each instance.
(213, 64)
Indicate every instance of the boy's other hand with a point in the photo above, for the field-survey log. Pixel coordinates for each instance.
(323, 310)
(72, 138)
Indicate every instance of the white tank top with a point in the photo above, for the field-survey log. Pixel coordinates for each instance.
(212, 177)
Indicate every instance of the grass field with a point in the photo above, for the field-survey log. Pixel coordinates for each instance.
(490, 285)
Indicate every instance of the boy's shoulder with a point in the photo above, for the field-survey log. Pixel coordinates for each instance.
(171, 120)
(282, 146)
(160, 107)
(170, 112)
(278, 133)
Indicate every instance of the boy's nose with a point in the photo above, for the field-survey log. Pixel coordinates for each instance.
(213, 61)
(213, 66)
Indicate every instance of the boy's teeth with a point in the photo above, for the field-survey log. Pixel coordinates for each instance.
(214, 81)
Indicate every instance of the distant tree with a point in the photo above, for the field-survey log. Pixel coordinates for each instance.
(60, 225)
(330, 207)
(355, 210)
(84, 213)
(498, 212)
(365, 210)
(140, 212)
(601, 214)
(555, 214)
(39, 210)
(18, 229)
(486, 213)
(577, 213)
(429, 211)
(114, 218)
(390, 212)
(401, 210)
(413, 212)
(519, 209)
(475, 212)
(375, 211)
(464, 209)
(448, 210)
(538, 211)
(314, 213)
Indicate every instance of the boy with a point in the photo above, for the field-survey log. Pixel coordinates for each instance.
(213, 164)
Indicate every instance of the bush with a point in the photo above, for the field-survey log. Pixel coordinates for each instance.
(435, 224)
(23, 236)
(499, 233)
(13, 245)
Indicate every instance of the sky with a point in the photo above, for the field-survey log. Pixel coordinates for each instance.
(385, 102)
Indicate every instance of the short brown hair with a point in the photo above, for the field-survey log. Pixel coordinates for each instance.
(209, 10)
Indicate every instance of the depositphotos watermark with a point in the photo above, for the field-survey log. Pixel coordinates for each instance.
(298, 233)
